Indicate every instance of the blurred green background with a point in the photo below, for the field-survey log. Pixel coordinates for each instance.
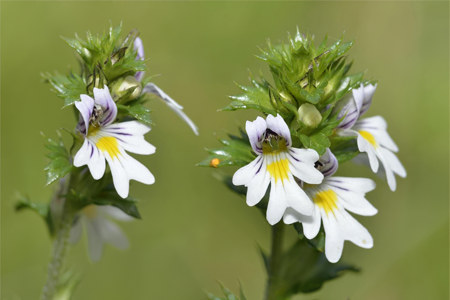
(194, 231)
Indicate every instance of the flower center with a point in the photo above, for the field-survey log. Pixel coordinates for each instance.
(108, 144)
(97, 114)
(368, 137)
(326, 200)
(273, 143)
(279, 169)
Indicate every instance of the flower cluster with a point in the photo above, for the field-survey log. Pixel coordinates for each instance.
(109, 97)
(313, 123)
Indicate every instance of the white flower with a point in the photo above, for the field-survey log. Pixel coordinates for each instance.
(277, 163)
(107, 140)
(153, 89)
(100, 230)
(372, 136)
(332, 198)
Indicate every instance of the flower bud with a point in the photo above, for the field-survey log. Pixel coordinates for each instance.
(128, 88)
(309, 115)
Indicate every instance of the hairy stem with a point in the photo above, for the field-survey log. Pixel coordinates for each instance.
(273, 279)
(58, 255)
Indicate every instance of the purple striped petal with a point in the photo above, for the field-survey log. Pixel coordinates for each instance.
(256, 132)
(279, 126)
(139, 48)
(104, 99)
(348, 110)
(328, 163)
(369, 90)
(85, 107)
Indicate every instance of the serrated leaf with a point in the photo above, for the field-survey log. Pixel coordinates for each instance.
(256, 97)
(304, 270)
(235, 151)
(344, 148)
(42, 209)
(68, 87)
(138, 111)
(59, 164)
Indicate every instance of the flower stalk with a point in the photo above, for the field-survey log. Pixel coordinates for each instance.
(59, 252)
(274, 266)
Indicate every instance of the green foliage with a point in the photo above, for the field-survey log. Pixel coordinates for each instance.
(41, 209)
(107, 55)
(235, 151)
(84, 190)
(228, 295)
(303, 269)
(344, 148)
(68, 87)
(59, 164)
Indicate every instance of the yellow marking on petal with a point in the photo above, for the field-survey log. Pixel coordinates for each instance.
(279, 169)
(368, 137)
(90, 211)
(108, 144)
(326, 200)
(92, 131)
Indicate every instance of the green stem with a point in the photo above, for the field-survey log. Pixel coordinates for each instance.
(275, 262)
(58, 256)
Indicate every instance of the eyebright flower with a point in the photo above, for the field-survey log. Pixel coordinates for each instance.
(100, 230)
(107, 140)
(372, 136)
(154, 89)
(277, 163)
(332, 198)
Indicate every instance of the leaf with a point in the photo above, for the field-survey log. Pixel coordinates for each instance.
(138, 111)
(235, 151)
(68, 87)
(304, 270)
(59, 164)
(42, 209)
(344, 148)
(256, 97)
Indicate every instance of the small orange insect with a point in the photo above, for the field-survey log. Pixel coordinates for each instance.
(214, 162)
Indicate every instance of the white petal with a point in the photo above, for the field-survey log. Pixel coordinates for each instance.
(138, 46)
(95, 239)
(115, 213)
(291, 216)
(365, 146)
(255, 131)
(279, 126)
(97, 163)
(85, 107)
(75, 231)
(120, 177)
(394, 163)
(245, 174)
(104, 99)
(351, 191)
(177, 108)
(311, 225)
(305, 171)
(334, 242)
(257, 186)
(83, 155)
(297, 198)
(113, 235)
(277, 202)
(136, 170)
(369, 90)
(128, 138)
(353, 231)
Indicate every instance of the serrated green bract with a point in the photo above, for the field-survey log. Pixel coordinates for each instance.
(137, 111)
(42, 209)
(303, 269)
(228, 295)
(344, 148)
(235, 151)
(68, 87)
(59, 164)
